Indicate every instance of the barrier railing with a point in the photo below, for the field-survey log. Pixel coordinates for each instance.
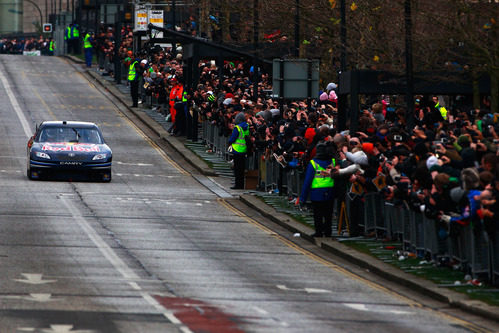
(469, 246)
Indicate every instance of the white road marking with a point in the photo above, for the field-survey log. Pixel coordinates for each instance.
(307, 290)
(134, 285)
(34, 279)
(105, 249)
(40, 298)
(118, 264)
(141, 175)
(54, 329)
(134, 164)
(168, 315)
(64, 329)
(15, 105)
(363, 307)
(260, 310)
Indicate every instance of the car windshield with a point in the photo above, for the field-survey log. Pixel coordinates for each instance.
(70, 134)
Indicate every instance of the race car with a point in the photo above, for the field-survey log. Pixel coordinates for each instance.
(68, 147)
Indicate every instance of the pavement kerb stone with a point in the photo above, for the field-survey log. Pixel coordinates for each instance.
(374, 265)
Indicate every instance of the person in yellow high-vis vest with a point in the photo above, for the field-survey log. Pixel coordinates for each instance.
(320, 185)
(51, 47)
(88, 47)
(238, 143)
(439, 108)
(134, 74)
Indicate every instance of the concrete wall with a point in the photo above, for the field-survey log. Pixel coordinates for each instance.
(11, 16)
(32, 15)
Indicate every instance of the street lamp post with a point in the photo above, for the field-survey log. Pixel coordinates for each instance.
(342, 99)
(408, 67)
(39, 11)
(255, 49)
(297, 28)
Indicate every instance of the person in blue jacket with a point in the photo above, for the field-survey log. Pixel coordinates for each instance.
(320, 185)
(238, 143)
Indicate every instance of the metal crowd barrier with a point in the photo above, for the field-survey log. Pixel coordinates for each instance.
(473, 249)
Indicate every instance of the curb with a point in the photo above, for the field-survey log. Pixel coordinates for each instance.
(374, 265)
(176, 144)
(365, 261)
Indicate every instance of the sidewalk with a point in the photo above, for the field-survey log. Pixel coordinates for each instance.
(278, 210)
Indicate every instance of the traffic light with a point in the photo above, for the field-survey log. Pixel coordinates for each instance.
(47, 27)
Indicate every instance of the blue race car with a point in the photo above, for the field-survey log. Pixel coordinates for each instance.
(68, 147)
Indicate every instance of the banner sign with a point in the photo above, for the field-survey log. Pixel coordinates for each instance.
(36, 53)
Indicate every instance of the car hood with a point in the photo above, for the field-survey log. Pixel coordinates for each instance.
(70, 148)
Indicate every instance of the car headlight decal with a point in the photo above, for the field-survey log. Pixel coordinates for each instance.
(42, 155)
(99, 157)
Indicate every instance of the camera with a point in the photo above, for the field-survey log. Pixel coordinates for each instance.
(397, 138)
(444, 141)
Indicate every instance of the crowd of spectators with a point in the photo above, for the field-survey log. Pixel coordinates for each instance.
(19, 45)
(446, 166)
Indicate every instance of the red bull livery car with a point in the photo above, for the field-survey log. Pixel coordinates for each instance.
(68, 147)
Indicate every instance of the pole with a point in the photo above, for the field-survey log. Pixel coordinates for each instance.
(39, 11)
(46, 11)
(297, 29)
(174, 19)
(117, 37)
(72, 11)
(255, 49)
(408, 67)
(342, 98)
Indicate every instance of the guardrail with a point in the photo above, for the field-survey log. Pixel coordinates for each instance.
(467, 246)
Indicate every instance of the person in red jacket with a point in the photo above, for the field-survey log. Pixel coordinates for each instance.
(175, 96)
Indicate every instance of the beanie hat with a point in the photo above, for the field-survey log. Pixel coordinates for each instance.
(240, 118)
(331, 86)
(456, 194)
(463, 140)
(470, 178)
(332, 96)
(368, 148)
(431, 161)
(323, 97)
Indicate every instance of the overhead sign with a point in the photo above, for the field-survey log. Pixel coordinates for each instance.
(156, 18)
(140, 19)
(145, 16)
(297, 78)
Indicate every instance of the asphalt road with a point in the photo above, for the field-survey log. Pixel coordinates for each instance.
(155, 250)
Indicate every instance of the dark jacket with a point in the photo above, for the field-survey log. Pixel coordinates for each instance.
(316, 194)
(235, 134)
